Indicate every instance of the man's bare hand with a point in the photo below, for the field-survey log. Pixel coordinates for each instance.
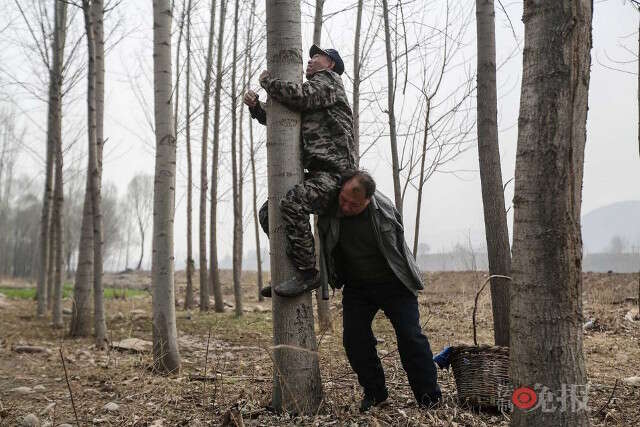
(264, 75)
(250, 98)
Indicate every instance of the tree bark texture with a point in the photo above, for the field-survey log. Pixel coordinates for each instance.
(317, 23)
(237, 208)
(188, 299)
(252, 159)
(81, 310)
(546, 295)
(60, 29)
(356, 83)
(165, 335)
(202, 232)
(296, 386)
(324, 315)
(393, 139)
(213, 230)
(93, 14)
(495, 215)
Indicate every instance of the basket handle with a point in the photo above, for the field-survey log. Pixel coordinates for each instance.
(475, 304)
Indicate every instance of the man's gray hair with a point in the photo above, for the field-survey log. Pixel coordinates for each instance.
(365, 180)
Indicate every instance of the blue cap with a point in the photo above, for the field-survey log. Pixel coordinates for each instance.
(331, 53)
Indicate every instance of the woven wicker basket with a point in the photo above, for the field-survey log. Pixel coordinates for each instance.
(482, 371)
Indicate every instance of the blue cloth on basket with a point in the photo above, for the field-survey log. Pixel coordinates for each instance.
(442, 359)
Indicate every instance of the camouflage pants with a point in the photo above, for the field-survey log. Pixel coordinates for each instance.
(313, 196)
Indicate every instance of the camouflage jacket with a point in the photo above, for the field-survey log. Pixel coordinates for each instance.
(327, 120)
(389, 231)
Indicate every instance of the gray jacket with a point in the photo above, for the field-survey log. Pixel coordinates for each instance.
(387, 225)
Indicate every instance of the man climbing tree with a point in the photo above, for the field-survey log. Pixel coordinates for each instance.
(327, 151)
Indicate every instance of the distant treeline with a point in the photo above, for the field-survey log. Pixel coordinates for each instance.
(464, 261)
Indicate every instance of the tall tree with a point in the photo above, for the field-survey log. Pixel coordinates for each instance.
(188, 299)
(395, 165)
(237, 162)
(324, 315)
(495, 215)
(317, 22)
(60, 34)
(252, 160)
(93, 13)
(356, 82)
(546, 297)
(237, 207)
(213, 229)
(296, 386)
(44, 296)
(202, 231)
(165, 335)
(140, 195)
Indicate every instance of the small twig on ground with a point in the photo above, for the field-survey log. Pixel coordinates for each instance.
(66, 377)
(609, 400)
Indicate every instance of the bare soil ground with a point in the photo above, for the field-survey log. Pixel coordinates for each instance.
(238, 353)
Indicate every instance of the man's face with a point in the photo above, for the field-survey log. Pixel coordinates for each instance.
(317, 63)
(352, 200)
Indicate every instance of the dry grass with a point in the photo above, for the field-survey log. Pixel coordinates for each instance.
(239, 356)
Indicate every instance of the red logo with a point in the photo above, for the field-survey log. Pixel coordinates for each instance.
(524, 398)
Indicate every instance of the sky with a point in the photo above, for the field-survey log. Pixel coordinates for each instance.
(452, 205)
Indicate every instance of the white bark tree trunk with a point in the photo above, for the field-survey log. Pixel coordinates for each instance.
(237, 208)
(296, 386)
(213, 231)
(356, 83)
(165, 335)
(95, 95)
(495, 215)
(202, 232)
(395, 165)
(252, 159)
(546, 296)
(188, 299)
(324, 314)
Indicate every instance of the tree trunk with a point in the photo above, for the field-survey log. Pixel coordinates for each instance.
(93, 29)
(356, 83)
(215, 273)
(237, 212)
(57, 221)
(495, 215)
(81, 311)
(317, 23)
(423, 158)
(236, 165)
(296, 386)
(141, 228)
(60, 17)
(165, 335)
(324, 316)
(390, 110)
(45, 219)
(52, 255)
(252, 159)
(546, 296)
(202, 232)
(188, 299)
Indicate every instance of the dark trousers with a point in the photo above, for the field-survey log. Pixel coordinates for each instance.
(312, 196)
(360, 304)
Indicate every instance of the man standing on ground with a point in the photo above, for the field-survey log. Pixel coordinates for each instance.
(363, 242)
(327, 151)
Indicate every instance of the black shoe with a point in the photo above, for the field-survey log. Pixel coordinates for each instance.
(266, 291)
(430, 401)
(301, 282)
(370, 401)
